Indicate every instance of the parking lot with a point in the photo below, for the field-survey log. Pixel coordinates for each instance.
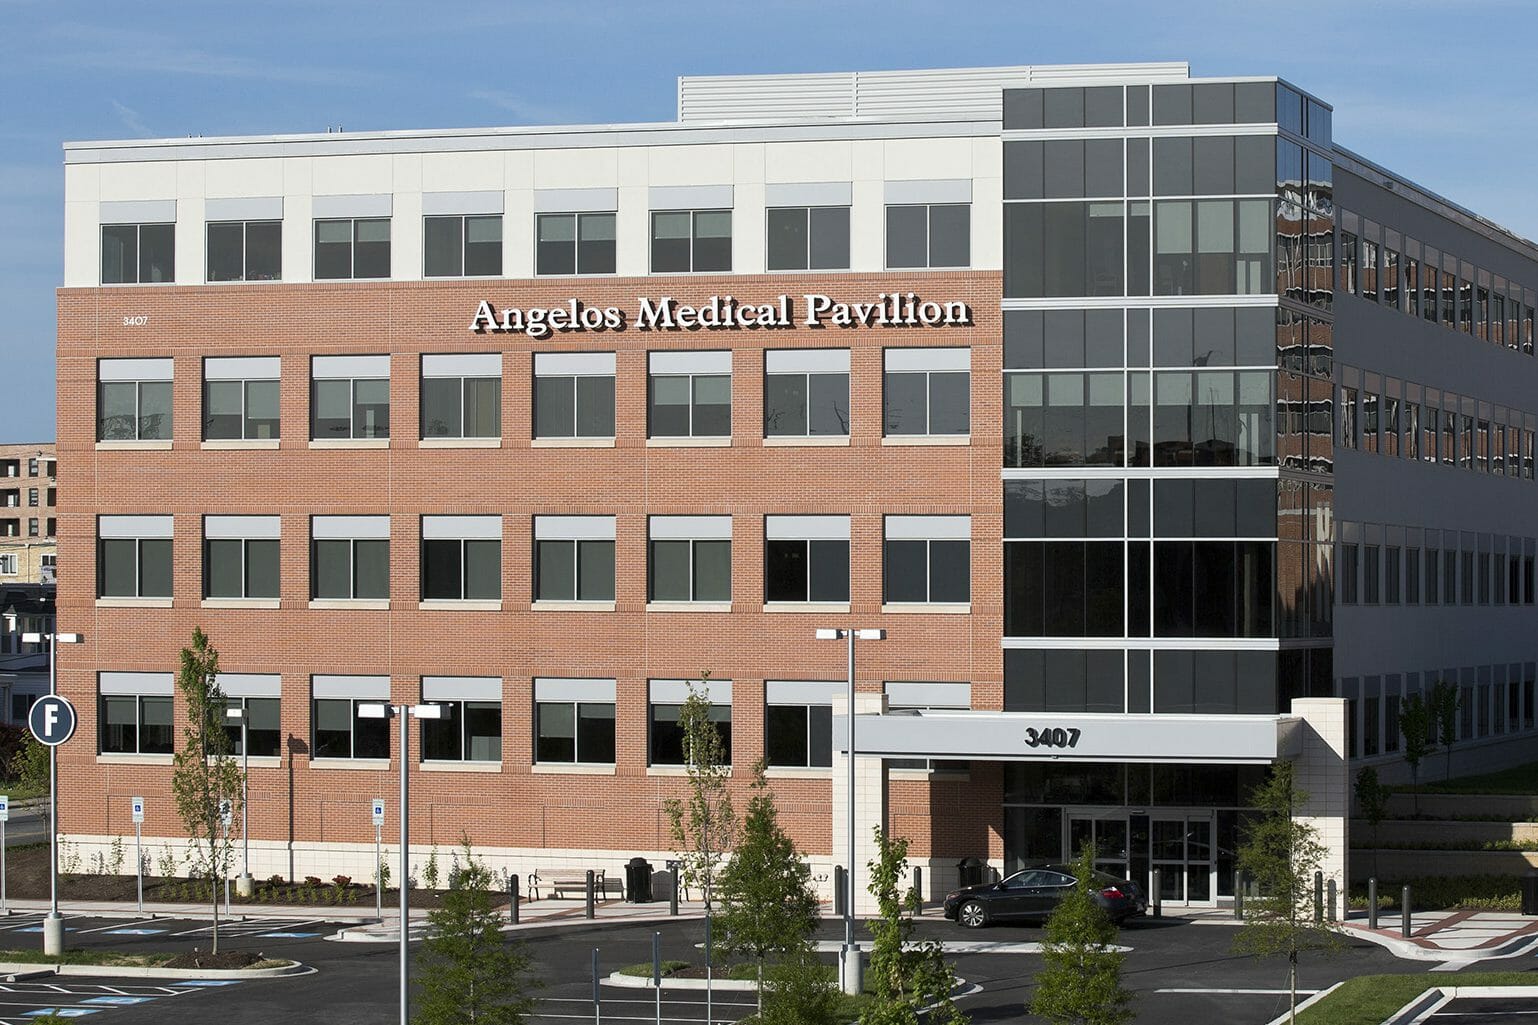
(22, 1002)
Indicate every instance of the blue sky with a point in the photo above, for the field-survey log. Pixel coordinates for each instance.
(1441, 92)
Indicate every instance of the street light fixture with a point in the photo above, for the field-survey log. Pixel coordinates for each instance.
(53, 925)
(850, 970)
(242, 715)
(382, 710)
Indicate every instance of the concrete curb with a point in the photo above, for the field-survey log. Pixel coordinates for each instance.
(1402, 948)
(645, 982)
(372, 934)
(1283, 1018)
(15, 971)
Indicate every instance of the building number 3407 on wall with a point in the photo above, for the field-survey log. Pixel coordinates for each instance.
(1054, 736)
(137, 321)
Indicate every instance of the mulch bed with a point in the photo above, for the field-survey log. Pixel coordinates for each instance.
(225, 960)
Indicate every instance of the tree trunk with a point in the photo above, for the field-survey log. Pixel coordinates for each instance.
(1292, 986)
(760, 987)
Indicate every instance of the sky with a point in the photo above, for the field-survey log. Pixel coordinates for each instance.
(1440, 92)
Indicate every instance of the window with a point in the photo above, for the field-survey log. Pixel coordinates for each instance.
(7, 564)
(806, 559)
(1072, 419)
(32, 496)
(133, 556)
(1371, 575)
(806, 393)
(461, 246)
(340, 732)
(1349, 573)
(691, 240)
(138, 254)
(258, 695)
(574, 558)
(1072, 249)
(928, 559)
(798, 723)
(690, 394)
(928, 392)
(575, 244)
(470, 729)
(690, 558)
(133, 400)
(926, 697)
(240, 556)
(666, 700)
(32, 466)
(1212, 247)
(573, 721)
(32, 527)
(461, 558)
(240, 398)
(350, 557)
(245, 251)
(349, 397)
(10, 467)
(574, 395)
(462, 395)
(929, 235)
(10, 498)
(352, 248)
(808, 238)
(135, 713)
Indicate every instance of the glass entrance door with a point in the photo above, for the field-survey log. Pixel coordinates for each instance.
(1182, 851)
(1107, 834)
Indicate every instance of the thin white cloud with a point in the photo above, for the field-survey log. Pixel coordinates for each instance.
(524, 109)
(130, 118)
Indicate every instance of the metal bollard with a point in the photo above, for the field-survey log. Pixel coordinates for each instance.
(1404, 911)
(673, 889)
(513, 897)
(918, 890)
(1158, 901)
(591, 912)
(838, 891)
(1318, 897)
(1372, 903)
(1330, 900)
(1239, 896)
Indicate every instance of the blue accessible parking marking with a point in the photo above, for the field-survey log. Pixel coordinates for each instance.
(62, 1012)
(286, 935)
(135, 932)
(38, 928)
(207, 982)
(117, 1001)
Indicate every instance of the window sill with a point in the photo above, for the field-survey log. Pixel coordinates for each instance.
(231, 444)
(688, 606)
(351, 764)
(133, 603)
(571, 606)
(926, 439)
(928, 775)
(240, 603)
(725, 442)
(570, 769)
(829, 607)
(487, 767)
(677, 771)
(790, 772)
(572, 443)
(460, 443)
(923, 609)
(459, 605)
(262, 761)
(134, 446)
(349, 442)
(133, 759)
(376, 604)
(810, 441)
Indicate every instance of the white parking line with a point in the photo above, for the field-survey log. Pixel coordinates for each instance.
(122, 925)
(1242, 992)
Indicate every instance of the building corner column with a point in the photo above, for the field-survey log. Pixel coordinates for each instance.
(1322, 771)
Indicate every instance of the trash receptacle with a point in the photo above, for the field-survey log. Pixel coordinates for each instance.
(1530, 894)
(969, 871)
(638, 881)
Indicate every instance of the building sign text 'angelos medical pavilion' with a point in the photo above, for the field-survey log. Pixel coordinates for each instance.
(722, 313)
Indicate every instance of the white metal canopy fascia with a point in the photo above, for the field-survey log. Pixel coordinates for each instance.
(1020, 736)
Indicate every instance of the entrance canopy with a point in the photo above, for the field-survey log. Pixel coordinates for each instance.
(1020, 736)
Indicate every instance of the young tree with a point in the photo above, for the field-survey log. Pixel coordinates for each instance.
(206, 780)
(1080, 982)
(800, 992)
(1281, 854)
(768, 908)
(905, 977)
(1419, 729)
(1444, 707)
(704, 825)
(470, 973)
(1372, 801)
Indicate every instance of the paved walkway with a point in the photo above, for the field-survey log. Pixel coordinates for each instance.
(1460, 937)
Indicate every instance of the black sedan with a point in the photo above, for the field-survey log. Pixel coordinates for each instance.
(1035, 893)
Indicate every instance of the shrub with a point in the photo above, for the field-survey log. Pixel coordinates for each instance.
(312, 880)
(1442, 893)
(275, 880)
(341, 882)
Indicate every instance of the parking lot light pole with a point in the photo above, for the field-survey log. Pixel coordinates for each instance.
(53, 925)
(380, 710)
(850, 970)
(244, 885)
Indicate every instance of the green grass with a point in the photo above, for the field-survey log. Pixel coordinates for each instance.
(644, 970)
(1370, 999)
(18, 791)
(1517, 781)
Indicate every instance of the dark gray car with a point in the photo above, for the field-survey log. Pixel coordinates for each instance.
(1034, 893)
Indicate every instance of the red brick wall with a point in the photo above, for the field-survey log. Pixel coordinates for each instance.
(631, 481)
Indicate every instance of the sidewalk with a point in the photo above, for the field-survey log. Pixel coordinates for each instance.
(1462, 937)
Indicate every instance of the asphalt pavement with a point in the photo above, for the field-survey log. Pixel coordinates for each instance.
(1182, 971)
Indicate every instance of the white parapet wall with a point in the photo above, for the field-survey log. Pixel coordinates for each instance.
(1321, 770)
